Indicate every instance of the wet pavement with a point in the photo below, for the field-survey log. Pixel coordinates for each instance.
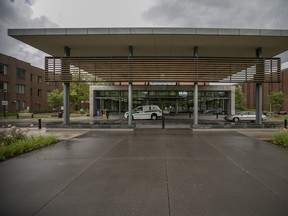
(148, 172)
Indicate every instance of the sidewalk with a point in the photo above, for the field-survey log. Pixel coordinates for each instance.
(148, 172)
(60, 134)
(173, 122)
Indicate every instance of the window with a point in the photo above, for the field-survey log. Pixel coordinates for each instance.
(138, 109)
(114, 94)
(31, 77)
(17, 105)
(3, 69)
(39, 79)
(39, 92)
(172, 94)
(3, 85)
(20, 89)
(20, 74)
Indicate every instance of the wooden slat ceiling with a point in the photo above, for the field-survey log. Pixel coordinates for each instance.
(162, 69)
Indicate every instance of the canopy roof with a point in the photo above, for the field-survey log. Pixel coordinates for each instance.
(212, 42)
(159, 54)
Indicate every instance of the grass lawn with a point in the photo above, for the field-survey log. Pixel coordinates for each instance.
(281, 138)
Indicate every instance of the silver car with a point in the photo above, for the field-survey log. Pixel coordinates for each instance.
(243, 116)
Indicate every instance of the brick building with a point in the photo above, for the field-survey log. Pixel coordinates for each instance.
(249, 92)
(23, 86)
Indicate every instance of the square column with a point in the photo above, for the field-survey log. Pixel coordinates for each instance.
(258, 103)
(130, 55)
(92, 103)
(195, 103)
(130, 104)
(258, 91)
(66, 113)
(231, 102)
(196, 90)
(119, 105)
(66, 102)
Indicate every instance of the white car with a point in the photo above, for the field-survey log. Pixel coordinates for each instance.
(146, 112)
(243, 116)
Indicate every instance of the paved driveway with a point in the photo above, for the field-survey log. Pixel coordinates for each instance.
(148, 172)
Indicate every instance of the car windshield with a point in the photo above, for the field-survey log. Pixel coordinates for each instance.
(138, 109)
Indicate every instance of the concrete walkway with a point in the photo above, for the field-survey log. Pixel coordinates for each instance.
(148, 172)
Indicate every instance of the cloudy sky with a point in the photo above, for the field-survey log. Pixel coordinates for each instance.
(259, 14)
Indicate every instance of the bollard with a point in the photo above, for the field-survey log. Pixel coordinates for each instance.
(217, 115)
(17, 116)
(285, 123)
(39, 124)
(163, 122)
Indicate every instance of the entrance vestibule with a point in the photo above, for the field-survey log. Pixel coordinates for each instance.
(171, 101)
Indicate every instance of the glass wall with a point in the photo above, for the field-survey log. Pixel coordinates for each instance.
(172, 101)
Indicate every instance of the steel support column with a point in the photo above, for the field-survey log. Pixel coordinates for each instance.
(130, 89)
(130, 103)
(92, 102)
(119, 105)
(195, 103)
(177, 105)
(196, 90)
(66, 102)
(231, 102)
(258, 103)
(258, 92)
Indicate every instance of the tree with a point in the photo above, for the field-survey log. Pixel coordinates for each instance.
(276, 100)
(239, 98)
(79, 92)
(55, 99)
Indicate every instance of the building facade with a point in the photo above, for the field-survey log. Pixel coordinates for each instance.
(249, 92)
(23, 86)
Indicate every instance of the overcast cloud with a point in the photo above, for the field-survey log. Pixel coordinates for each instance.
(19, 14)
(219, 13)
(133, 13)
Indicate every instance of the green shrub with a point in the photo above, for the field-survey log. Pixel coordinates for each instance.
(281, 138)
(22, 146)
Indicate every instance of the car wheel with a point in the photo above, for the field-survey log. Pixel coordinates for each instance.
(235, 120)
(153, 116)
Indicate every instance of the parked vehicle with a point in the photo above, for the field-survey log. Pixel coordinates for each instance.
(243, 116)
(145, 112)
(215, 111)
